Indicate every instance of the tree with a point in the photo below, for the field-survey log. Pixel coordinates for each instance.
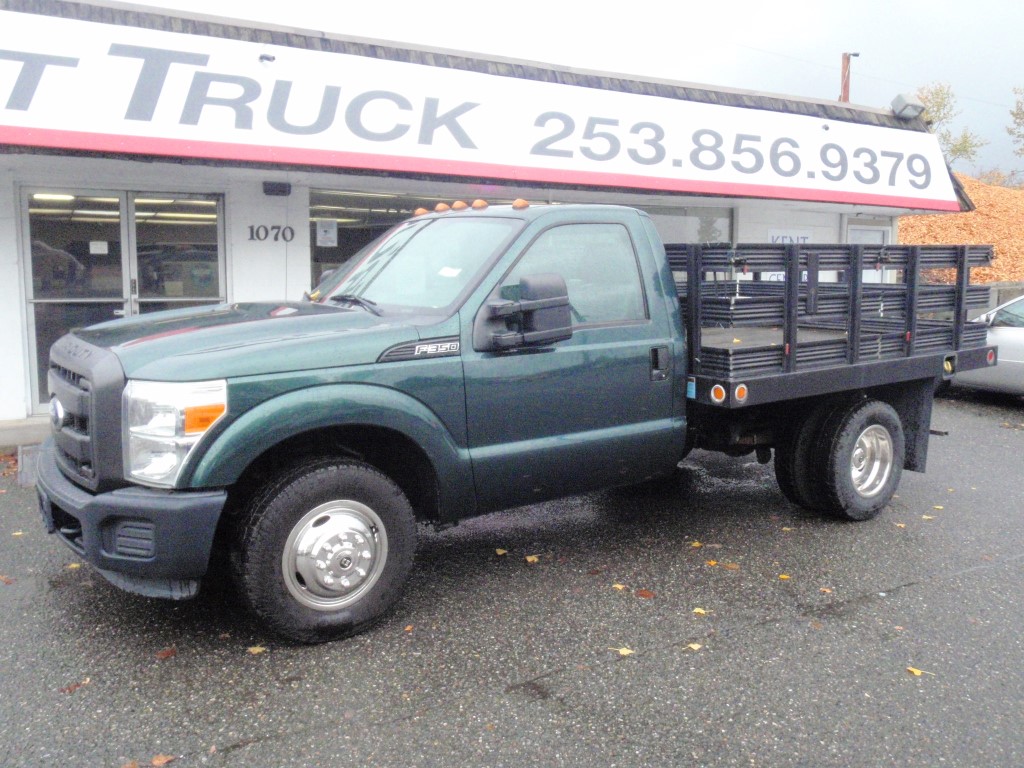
(1016, 128)
(939, 110)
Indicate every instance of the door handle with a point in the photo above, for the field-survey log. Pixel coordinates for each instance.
(661, 361)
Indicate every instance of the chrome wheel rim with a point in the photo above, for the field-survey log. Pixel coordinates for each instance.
(334, 555)
(871, 462)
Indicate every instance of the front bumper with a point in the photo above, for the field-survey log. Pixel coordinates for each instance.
(152, 542)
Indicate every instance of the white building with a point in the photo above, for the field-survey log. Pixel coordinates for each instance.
(150, 161)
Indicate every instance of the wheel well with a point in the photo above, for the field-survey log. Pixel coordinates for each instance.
(389, 451)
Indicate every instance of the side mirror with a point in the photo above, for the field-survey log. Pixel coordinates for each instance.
(541, 316)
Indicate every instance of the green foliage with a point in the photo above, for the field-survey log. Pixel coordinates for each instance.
(939, 110)
(1016, 127)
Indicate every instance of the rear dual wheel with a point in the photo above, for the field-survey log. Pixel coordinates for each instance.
(846, 460)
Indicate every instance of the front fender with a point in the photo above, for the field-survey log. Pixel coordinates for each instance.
(335, 405)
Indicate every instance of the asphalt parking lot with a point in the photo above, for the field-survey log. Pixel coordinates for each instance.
(716, 626)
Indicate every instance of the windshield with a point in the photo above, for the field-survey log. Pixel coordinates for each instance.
(422, 264)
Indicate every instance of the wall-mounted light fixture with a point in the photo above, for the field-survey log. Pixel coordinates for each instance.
(906, 106)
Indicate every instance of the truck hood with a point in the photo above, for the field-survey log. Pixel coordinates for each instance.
(229, 340)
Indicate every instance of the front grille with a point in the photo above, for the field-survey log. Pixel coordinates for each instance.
(85, 383)
(67, 374)
(71, 421)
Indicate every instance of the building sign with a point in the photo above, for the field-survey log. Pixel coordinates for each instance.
(89, 86)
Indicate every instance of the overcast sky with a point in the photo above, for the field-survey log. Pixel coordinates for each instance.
(791, 47)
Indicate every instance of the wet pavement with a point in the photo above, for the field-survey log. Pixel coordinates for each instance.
(760, 635)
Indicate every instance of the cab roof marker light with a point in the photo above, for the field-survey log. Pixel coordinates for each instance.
(420, 212)
(479, 205)
(459, 205)
(519, 204)
(442, 207)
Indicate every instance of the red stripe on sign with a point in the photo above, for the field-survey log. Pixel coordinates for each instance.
(257, 153)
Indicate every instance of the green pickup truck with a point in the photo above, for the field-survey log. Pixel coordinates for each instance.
(480, 358)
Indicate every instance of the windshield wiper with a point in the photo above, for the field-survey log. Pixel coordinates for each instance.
(359, 301)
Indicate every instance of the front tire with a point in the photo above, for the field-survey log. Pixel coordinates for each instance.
(323, 551)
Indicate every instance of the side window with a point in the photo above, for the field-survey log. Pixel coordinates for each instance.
(600, 270)
(1012, 316)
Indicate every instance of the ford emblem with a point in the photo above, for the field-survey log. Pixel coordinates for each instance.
(57, 412)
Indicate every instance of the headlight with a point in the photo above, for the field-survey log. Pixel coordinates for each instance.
(163, 422)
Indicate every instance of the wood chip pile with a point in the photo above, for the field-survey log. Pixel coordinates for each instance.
(998, 220)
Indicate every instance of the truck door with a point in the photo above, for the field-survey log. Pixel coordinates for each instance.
(588, 412)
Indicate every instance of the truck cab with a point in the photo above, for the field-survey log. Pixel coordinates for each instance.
(468, 360)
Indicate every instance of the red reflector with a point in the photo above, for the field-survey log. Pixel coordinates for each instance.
(991, 356)
(786, 351)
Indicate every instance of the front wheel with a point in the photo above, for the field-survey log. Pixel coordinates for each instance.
(323, 551)
(861, 452)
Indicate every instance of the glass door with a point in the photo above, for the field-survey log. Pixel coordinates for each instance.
(176, 241)
(94, 256)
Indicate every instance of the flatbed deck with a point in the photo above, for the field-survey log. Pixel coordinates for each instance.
(795, 316)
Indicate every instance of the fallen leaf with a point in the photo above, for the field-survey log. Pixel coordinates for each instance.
(409, 628)
(75, 686)
(731, 566)
(619, 587)
(256, 649)
(644, 594)
(817, 625)
(938, 506)
(532, 558)
(785, 528)
(18, 533)
(159, 760)
(696, 544)
(901, 525)
(167, 653)
(131, 764)
(6, 580)
(784, 577)
(74, 566)
(737, 341)
(700, 611)
(712, 563)
(825, 590)
(623, 651)
(927, 517)
(918, 672)
(695, 646)
(501, 552)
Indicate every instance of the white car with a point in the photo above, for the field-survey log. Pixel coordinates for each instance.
(1005, 330)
